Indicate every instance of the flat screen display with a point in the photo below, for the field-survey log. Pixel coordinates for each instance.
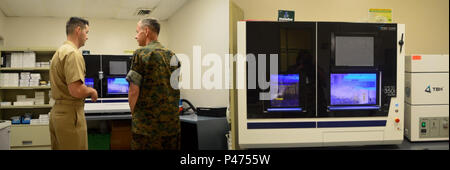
(118, 67)
(117, 85)
(353, 89)
(288, 92)
(354, 51)
(89, 82)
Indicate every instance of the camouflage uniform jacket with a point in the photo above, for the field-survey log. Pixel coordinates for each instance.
(156, 111)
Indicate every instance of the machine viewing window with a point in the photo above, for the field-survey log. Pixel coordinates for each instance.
(118, 67)
(288, 93)
(353, 89)
(89, 82)
(354, 51)
(117, 85)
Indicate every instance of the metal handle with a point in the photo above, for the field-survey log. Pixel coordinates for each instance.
(100, 75)
(27, 142)
(401, 43)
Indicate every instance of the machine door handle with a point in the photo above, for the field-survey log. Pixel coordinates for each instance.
(401, 43)
(100, 75)
(27, 142)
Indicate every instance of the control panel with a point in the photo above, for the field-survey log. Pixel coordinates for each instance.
(433, 127)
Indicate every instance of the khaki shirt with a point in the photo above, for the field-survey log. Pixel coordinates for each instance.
(67, 66)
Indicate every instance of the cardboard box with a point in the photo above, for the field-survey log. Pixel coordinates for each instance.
(121, 135)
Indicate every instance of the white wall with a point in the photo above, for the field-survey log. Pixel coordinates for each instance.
(106, 36)
(427, 21)
(2, 18)
(204, 23)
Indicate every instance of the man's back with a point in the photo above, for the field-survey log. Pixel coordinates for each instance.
(156, 108)
(67, 66)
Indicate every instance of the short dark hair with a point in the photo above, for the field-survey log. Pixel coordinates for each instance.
(151, 23)
(74, 22)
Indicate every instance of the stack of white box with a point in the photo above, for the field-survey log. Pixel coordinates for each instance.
(35, 77)
(16, 60)
(43, 118)
(3, 79)
(29, 59)
(39, 98)
(43, 64)
(24, 79)
(9, 79)
(22, 100)
(29, 79)
(5, 103)
(26, 59)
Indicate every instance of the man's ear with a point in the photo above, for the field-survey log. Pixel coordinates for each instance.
(147, 31)
(78, 29)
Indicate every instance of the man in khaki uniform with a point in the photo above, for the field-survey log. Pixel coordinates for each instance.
(67, 71)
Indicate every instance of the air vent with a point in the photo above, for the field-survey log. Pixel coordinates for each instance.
(143, 12)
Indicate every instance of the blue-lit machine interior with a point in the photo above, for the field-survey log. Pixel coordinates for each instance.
(286, 98)
(117, 85)
(353, 91)
(337, 84)
(89, 82)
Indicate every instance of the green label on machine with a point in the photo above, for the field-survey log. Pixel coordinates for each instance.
(286, 16)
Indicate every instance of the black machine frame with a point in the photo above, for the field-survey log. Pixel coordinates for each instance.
(264, 38)
(97, 67)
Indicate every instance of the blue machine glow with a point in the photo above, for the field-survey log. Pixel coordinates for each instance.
(288, 91)
(354, 107)
(117, 85)
(284, 109)
(89, 82)
(353, 89)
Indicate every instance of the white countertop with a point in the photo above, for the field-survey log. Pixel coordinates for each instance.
(4, 124)
(106, 107)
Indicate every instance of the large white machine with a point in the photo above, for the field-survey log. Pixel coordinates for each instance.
(317, 63)
(5, 134)
(426, 99)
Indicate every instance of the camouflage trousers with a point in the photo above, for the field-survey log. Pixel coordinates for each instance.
(144, 142)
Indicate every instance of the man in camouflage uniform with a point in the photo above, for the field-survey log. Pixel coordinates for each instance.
(153, 101)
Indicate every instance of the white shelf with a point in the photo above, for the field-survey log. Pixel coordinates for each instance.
(24, 88)
(25, 69)
(27, 107)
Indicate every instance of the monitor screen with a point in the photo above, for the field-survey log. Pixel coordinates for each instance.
(89, 82)
(354, 51)
(353, 89)
(117, 85)
(288, 91)
(118, 67)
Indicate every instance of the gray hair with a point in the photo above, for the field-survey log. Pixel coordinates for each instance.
(151, 23)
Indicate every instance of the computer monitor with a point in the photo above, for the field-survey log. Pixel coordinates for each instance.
(118, 67)
(288, 93)
(117, 86)
(89, 82)
(354, 50)
(353, 89)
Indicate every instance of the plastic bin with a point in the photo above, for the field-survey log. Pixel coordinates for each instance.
(99, 141)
